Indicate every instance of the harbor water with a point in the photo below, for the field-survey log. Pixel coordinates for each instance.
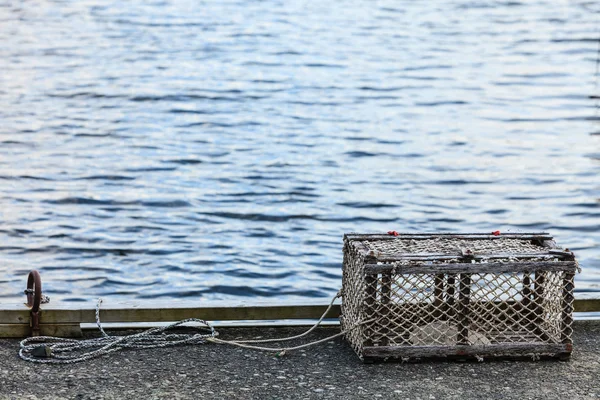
(220, 149)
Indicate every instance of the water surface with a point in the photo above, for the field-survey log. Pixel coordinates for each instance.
(219, 150)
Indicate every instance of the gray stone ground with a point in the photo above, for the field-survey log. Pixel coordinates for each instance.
(330, 370)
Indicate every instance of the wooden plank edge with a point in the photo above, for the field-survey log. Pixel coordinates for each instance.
(586, 305)
(467, 236)
(447, 234)
(391, 257)
(475, 268)
(19, 315)
(145, 312)
(24, 330)
(383, 352)
(75, 330)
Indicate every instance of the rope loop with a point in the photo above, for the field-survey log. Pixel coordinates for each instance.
(54, 350)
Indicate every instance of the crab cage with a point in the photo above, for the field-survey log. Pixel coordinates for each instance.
(412, 296)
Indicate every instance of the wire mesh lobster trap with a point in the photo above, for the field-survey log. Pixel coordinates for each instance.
(457, 295)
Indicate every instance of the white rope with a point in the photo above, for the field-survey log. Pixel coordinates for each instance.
(282, 350)
(54, 350)
(338, 294)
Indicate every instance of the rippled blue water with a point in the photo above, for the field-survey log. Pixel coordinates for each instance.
(217, 149)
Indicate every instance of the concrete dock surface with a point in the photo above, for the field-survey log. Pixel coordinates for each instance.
(327, 371)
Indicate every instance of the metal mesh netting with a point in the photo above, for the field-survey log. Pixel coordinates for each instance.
(502, 309)
(437, 308)
(354, 296)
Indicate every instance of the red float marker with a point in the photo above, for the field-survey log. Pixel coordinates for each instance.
(496, 233)
(393, 233)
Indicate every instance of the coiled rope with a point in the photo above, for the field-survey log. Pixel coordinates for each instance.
(54, 350)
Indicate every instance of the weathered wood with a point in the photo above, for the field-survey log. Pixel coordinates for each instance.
(168, 311)
(586, 305)
(480, 268)
(165, 311)
(370, 290)
(387, 257)
(14, 330)
(363, 250)
(14, 318)
(450, 295)
(492, 350)
(540, 279)
(549, 244)
(561, 253)
(526, 290)
(538, 298)
(464, 314)
(438, 292)
(24, 330)
(352, 235)
(465, 236)
(461, 237)
(386, 288)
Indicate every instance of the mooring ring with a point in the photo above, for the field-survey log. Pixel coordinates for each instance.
(34, 291)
